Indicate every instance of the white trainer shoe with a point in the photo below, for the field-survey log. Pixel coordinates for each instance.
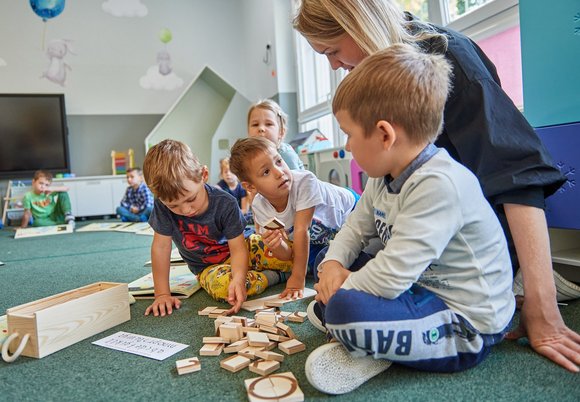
(332, 370)
(315, 315)
(565, 290)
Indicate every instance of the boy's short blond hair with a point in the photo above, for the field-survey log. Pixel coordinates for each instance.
(401, 85)
(224, 163)
(269, 104)
(167, 165)
(246, 149)
(42, 173)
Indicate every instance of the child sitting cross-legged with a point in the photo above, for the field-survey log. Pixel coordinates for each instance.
(137, 202)
(311, 210)
(438, 296)
(207, 227)
(46, 205)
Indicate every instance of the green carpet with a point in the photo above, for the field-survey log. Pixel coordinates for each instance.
(40, 267)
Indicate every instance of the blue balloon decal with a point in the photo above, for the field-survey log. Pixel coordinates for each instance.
(47, 9)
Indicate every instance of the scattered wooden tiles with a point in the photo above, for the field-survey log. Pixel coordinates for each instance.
(235, 363)
(292, 346)
(282, 387)
(187, 366)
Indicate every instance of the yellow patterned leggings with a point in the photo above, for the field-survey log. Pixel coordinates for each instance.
(215, 279)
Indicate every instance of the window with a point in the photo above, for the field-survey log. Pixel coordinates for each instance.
(493, 24)
(457, 8)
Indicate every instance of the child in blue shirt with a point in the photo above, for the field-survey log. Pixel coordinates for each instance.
(137, 203)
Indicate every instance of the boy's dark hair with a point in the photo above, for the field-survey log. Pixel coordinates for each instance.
(42, 173)
(244, 150)
(167, 165)
(135, 169)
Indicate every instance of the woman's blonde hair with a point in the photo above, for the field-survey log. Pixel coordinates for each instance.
(269, 104)
(401, 85)
(167, 165)
(372, 24)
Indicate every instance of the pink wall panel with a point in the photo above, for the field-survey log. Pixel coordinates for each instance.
(505, 51)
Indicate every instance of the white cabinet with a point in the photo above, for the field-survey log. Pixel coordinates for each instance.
(94, 195)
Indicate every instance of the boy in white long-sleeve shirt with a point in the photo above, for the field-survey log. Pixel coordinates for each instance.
(438, 296)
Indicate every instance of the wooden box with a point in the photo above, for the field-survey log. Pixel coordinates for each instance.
(58, 321)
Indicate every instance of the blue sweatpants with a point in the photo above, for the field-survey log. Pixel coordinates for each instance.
(416, 329)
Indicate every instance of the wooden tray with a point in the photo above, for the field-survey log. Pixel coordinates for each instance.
(48, 325)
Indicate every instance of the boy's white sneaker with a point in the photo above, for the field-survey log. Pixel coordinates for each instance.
(315, 315)
(565, 290)
(332, 370)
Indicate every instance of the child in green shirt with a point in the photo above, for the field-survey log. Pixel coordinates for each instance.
(46, 205)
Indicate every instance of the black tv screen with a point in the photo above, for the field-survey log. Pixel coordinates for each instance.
(33, 135)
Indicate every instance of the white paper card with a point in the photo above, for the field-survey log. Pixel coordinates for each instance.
(256, 304)
(147, 346)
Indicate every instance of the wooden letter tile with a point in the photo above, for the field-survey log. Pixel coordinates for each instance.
(187, 366)
(211, 349)
(236, 346)
(281, 387)
(297, 316)
(258, 339)
(267, 355)
(264, 367)
(292, 346)
(235, 363)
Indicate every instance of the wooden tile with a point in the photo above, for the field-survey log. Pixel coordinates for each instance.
(278, 338)
(286, 330)
(214, 339)
(250, 351)
(292, 346)
(235, 363)
(258, 339)
(267, 355)
(297, 316)
(236, 346)
(264, 367)
(281, 387)
(207, 310)
(211, 349)
(187, 366)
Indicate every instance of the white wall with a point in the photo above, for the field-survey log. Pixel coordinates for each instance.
(113, 53)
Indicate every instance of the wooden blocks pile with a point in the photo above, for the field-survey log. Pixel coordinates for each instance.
(251, 340)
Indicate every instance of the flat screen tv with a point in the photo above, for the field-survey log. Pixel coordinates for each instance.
(33, 135)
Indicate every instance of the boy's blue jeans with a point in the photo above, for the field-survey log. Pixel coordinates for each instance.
(128, 216)
(416, 329)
